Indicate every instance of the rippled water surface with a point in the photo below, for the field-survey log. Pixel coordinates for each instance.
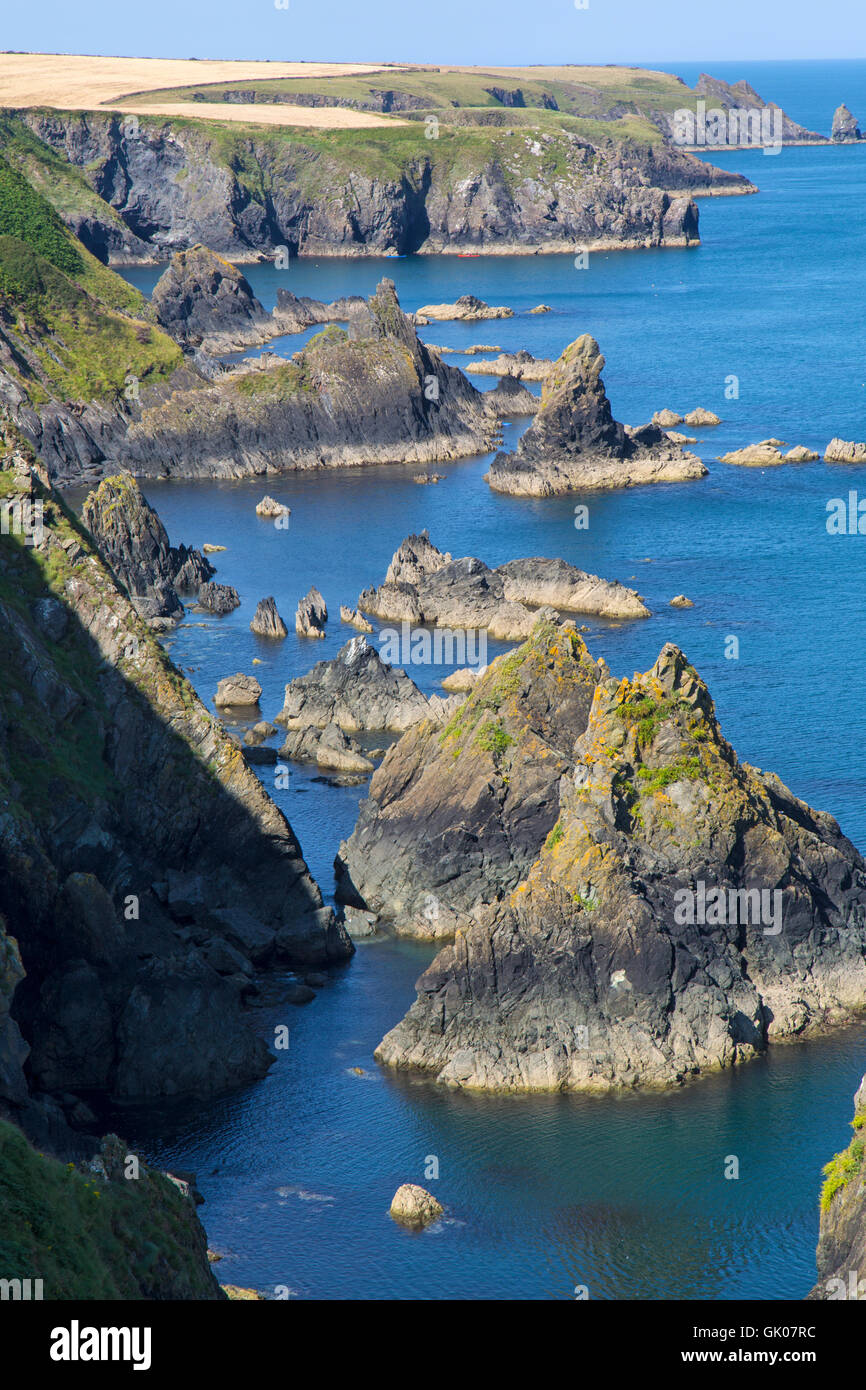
(626, 1196)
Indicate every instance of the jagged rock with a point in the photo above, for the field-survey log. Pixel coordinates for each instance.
(466, 308)
(237, 691)
(203, 298)
(293, 314)
(521, 364)
(685, 911)
(267, 621)
(456, 815)
(741, 102)
(680, 601)
(701, 418)
(312, 615)
(676, 438)
(111, 985)
(574, 441)
(268, 507)
(423, 585)
(667, 419)
(511, 397)
(356, 690)
(133, 541)
(218, 598)
(353, 618)
(414, 1206)
(844, 451)
(336, 753)
(841, 1255)
(845, 128)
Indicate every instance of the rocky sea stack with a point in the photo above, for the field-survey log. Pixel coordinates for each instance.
(685, 911)
(203, 299)
(574, 442)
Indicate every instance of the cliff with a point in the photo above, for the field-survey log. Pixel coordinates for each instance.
(685, 911)
(146, 874)
(574, 442)
(841, 1254)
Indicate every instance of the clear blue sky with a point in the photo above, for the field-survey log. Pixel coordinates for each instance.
(440, 31)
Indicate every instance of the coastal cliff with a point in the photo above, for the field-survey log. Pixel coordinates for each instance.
(685, 911)
(841, 1255)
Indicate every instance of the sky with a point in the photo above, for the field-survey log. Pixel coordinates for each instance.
(495, 32)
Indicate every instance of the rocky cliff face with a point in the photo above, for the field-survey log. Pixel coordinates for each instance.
(456, 815)
(241, 192)
(574, 441)
(203, 298)
(845, 128)
(373, 395)
(145, 871)
(754, 119)
(685, 911)
(133, 542)
(842, 1242)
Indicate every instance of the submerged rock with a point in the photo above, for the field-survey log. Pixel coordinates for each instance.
(356, 690)
(415, 1206)
(574, 441)
(267, 621)
(425, 585)
(685, 911)
(456, 814)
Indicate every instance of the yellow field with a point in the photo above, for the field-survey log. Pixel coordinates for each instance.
(81, 83)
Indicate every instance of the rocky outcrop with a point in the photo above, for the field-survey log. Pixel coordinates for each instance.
(237, 692)
(667, 419)
(845, 451)
(218, 598)
(468, 308)
(202, 299)
(845, 128)
(747, 119)
(353, 618)
(701, 418)
(292, 314)
(311, 615)
(356, 690)
(520, 364)
(574, 441)
(842, 1242)
(372, 395)
(425, 586)
(270, 509)
(768, 454)
(133, 541)
(135, 844)
(414, 1206)
(511, 397)
(267, 621)
(686, 911)
(457, 814)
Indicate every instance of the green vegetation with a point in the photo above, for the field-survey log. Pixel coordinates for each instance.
(277, 383)
(86, 1237)
(841, 1169)
(555, 835)
(655, 779)
(492, 738)
(33, 221)
(648, 714)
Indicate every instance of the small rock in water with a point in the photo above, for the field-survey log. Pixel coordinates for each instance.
(701, 418)
(680, 601)
(312, 615)
(218, 598)
(237, 691)
(267, 621)
(354, 619)
(844, 451)
(414, 1206)
(667, 418)
(211, 549)
(268, 507)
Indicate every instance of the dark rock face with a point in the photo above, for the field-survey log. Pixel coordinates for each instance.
(842, 1243)
(685, 911)
(423, 585)
(845, 128)
(511, 397)
(574, 441)
(203, 297)
(135, 840)
(741, 97)
(267, 621)
(456, 815)
(218, 598)
(505, 96)
(612, 195)
(356, 690)
(293, 313)
(133, 541)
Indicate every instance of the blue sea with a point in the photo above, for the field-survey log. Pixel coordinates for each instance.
(763, 323)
